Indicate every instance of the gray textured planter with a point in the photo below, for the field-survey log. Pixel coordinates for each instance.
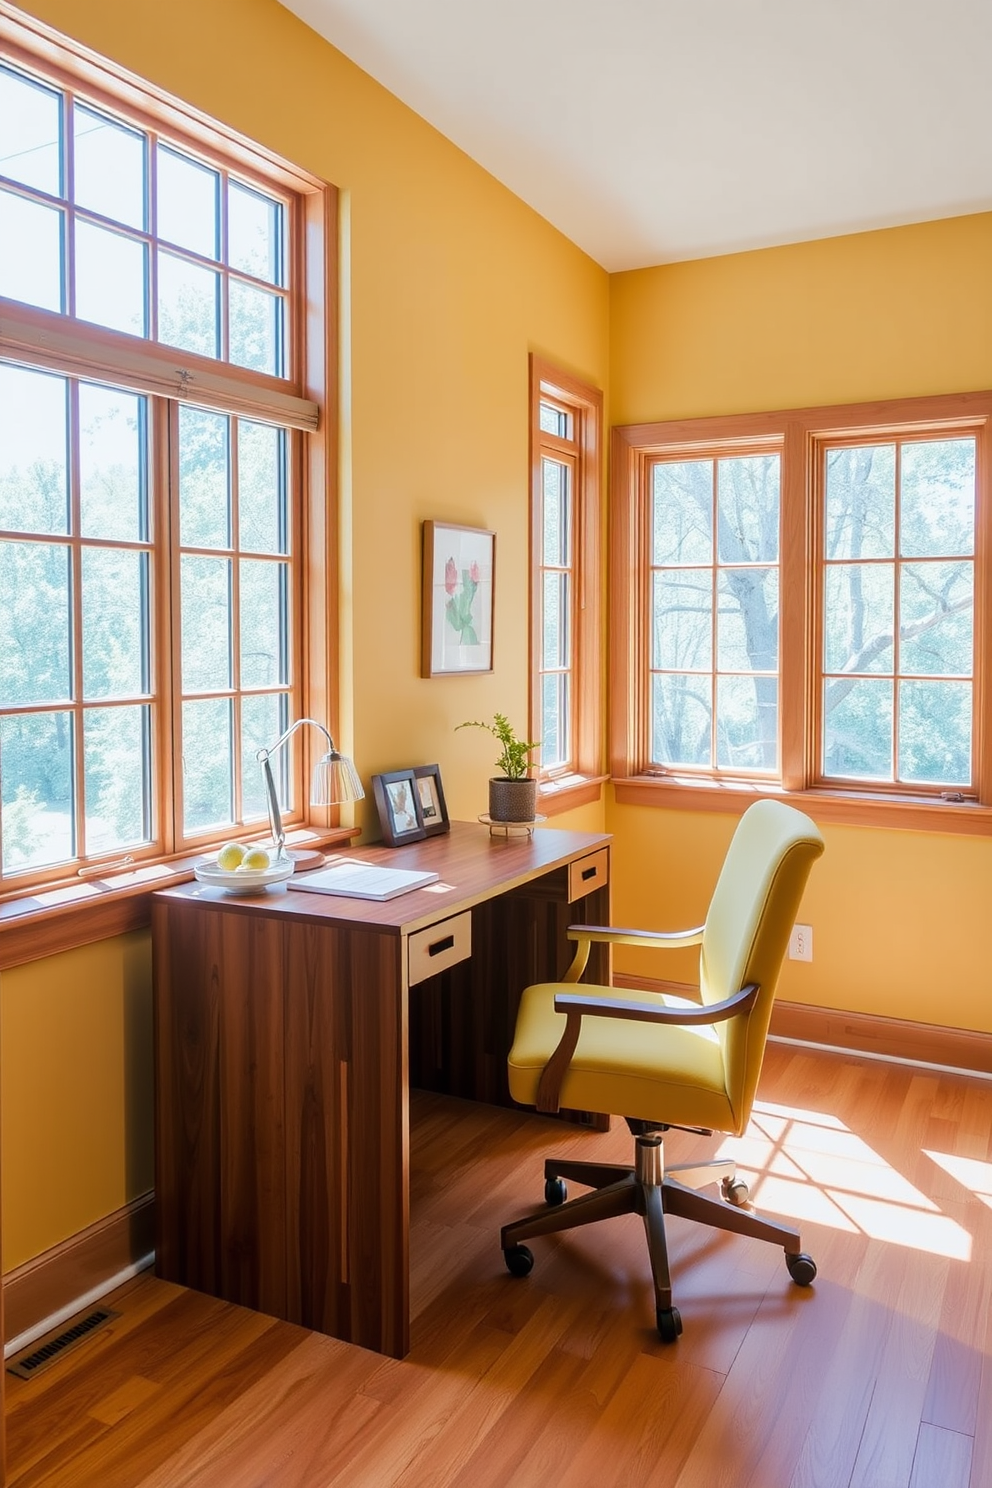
(512, 800)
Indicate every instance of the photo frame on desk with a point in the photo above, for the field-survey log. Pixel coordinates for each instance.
(432, 806)
(397, 801)
(457, 600)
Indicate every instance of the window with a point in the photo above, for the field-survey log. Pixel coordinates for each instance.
(566, 420)
(798, 602)
(161, 470)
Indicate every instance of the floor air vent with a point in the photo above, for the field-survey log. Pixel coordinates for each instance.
(38, 1356)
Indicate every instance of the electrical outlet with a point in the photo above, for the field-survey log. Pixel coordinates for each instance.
(801, 943)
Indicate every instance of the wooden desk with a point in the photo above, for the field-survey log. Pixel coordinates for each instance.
(284, 1024)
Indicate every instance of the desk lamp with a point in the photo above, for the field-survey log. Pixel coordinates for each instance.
(333, 783)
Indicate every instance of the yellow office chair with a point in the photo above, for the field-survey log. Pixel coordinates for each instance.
(662, 1061)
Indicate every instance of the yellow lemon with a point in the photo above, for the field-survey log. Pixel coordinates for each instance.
(255, 860)
(230, 856)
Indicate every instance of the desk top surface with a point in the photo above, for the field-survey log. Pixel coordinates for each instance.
(472, 867)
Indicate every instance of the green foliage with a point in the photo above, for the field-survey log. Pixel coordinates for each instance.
(513, 763)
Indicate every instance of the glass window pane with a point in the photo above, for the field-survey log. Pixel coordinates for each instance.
(256, 329)
(204, 479)
(206, 623)
(264, 624)
(263, 720)
(34, 622)
(935, 732)
(936, 603)
(187, 203)
(747, 723)
(30, 252)
(116, 754)
(34, 488)
(747, 620)
(112, 464)
(937, 508)
(857, 728)
(109, 168)
(255, 233)
(37, 822)
(556, 513)
(681, 720)
(748, 509)
(555, 639)
(859, 616)
(30, 133)
(110, 279)
(554, 420)
(554, 721)
(188, 301)
(115, 623)
(861, 502)
(682, 619)
(683, 512)
(263, 518)
(208, 796)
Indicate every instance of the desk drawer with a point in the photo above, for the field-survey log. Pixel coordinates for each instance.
(588, 873)
(439, 946)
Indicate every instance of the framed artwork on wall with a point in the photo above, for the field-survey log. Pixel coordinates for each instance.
(398, 804)
(432, 807)
(457, 600)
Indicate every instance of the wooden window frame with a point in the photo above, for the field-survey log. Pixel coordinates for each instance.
(59, 912)
(582, 780)
(803, 435)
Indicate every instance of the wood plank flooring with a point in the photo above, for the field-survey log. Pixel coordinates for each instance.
(879, 1376)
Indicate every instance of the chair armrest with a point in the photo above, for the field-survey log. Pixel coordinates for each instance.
(573, 1005)
(646, 1012)
(655, 940)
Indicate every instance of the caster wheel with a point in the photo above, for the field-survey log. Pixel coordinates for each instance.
(555, 1191)
(802, 1268)
(669, 1321)
(519, 1260)
(736, 1192)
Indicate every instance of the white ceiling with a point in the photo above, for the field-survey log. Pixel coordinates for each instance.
(650, 131)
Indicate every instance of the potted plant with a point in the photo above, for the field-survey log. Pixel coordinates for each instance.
(512, 792)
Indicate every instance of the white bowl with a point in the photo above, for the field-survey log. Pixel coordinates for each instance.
(241, 880)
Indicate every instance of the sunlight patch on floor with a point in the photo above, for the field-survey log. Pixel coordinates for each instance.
(809, 1166)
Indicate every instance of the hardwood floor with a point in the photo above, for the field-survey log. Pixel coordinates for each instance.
(879, 1376)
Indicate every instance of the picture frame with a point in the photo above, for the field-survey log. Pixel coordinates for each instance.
(457, 602)
(398, 804)
(432, 804)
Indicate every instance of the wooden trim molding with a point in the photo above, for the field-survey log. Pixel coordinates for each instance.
(957, 818)
(83, 1263)
(965, 1049)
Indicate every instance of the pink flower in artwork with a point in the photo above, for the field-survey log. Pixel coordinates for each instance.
(473, 572)
(450, 576)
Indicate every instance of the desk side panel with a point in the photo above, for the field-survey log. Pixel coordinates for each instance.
(282, 1138)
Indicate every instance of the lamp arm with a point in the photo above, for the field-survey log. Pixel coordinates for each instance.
(264, 756)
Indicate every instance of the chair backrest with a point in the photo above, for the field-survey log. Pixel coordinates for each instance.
(747, 931)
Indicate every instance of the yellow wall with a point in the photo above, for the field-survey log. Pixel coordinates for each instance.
(453, 281)
(898, 918)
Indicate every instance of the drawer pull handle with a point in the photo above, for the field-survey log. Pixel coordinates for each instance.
(589, 873)
(441, 945)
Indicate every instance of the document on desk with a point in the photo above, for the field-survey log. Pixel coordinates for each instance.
(356, 880)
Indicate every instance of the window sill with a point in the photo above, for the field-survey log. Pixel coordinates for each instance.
(49, 921)
(567, 792)
(848, 808)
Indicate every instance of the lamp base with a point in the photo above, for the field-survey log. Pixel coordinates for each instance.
(305, 858)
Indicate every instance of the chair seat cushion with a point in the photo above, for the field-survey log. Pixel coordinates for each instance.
(650, 1071)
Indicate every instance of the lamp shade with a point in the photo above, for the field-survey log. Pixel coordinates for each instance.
(335, 781)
